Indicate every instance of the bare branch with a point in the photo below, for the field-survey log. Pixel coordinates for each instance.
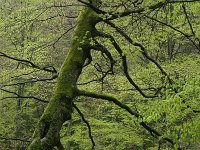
(125, 66)
(191, 28)
(14, 139)
(24, 74)
(63, 6)
(31, 64)
(175, 29)
(108, 98)
(87, 123)
(152, 131)
(58, 39)
(187, 17)
(143, 50)
(20, 96)
(127, 12)
(105, 51)
(31, 81)
(59, 15)
(97, 10)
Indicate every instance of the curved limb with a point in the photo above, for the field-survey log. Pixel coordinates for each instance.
(124, 63)
(144, 52)
(109, 98)
(87, 123)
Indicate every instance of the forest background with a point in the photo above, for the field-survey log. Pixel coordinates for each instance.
(138, 84)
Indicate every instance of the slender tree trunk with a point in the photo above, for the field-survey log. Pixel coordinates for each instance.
(59, 109)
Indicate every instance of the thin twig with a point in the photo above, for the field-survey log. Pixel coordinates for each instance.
(31, 64)
(125, 66)
(87, 123)
(20, 96)
(175, 29)
(14, 139)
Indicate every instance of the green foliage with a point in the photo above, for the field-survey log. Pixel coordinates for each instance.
(35, 30)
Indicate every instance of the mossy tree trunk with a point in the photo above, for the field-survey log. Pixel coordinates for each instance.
(59, 109)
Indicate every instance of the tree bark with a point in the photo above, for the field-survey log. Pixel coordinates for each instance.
(59, 109)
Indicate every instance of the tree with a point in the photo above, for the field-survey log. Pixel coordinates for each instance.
(88, 38)
(47, 133)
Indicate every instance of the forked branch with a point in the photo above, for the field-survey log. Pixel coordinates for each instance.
(124, 63)
(127, 12)
(143, 50)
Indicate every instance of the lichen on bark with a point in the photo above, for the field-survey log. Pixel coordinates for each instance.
(59, 108)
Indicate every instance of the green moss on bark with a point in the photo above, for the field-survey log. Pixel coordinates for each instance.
(59, 109)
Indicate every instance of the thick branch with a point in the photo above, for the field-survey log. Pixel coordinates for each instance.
(97, 10)
(110, 99)
(127, 12)
(152, 131)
